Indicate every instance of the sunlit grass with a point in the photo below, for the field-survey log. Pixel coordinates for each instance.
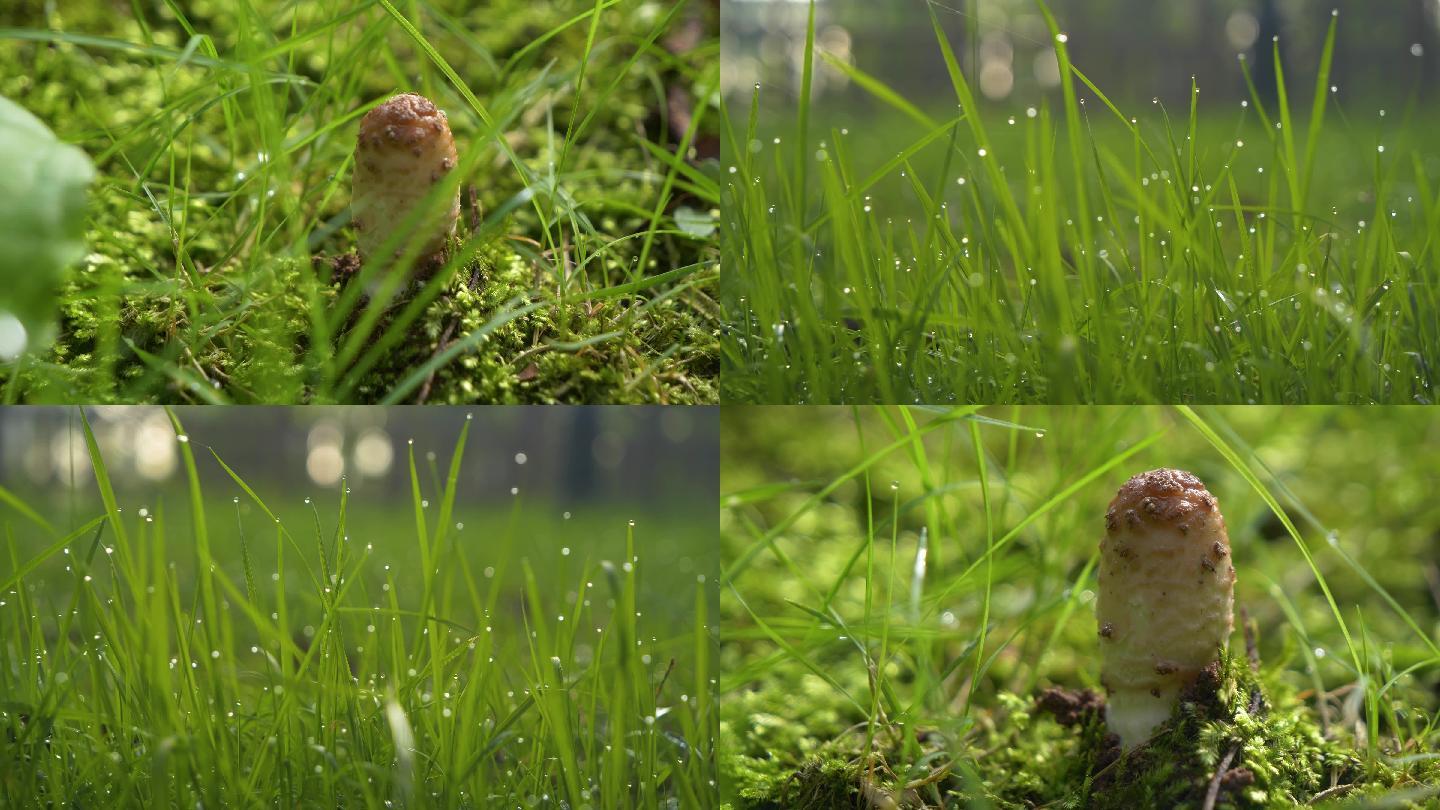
(209, 652)
(1082, 250)
(900, 584)
(224, 134)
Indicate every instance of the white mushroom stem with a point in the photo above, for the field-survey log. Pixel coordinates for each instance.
(1166, 593)
(405, 148)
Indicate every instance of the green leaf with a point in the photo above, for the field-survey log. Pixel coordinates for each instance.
(695, 223)
(43, 184)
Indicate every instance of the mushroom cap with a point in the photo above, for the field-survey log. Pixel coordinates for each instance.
(1166, 586)
(1159, 498)
(404, 148)
(404, 121)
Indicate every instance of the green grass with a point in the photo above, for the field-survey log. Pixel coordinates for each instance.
(229, 646)
(1081, 250)
(901, 583)
(223, 136)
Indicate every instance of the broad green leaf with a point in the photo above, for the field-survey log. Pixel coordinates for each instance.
(43, 184)
(695, 223)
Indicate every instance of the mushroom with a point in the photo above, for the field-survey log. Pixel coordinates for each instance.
(404, 149)
(1166, 592)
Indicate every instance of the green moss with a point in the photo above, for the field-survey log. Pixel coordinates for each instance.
(199, 284)
(1277, 756)
(577, 352)
(1018, 755)
(763, 745)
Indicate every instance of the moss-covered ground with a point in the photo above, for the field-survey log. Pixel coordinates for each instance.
(1253, 242)
(909, 620)
(223, 133)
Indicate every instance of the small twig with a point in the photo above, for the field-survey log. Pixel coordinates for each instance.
(663, 678)
(430, 378)
(935, 776)
(1252, 647)
(475, 217)
(873, 674)
(876, 796)
(530, 352)
(1213, 793)
(565, 259)
(1330, 793)
(1432, 577)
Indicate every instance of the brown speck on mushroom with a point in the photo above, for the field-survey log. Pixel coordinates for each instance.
(400, 143)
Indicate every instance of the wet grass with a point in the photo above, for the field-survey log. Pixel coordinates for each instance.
(223, 136)
(1081, 250)
(229, 646)
(902, 584)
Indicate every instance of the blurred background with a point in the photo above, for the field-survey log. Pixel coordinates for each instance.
(1133, 49)
(556, 486)
(567, 454)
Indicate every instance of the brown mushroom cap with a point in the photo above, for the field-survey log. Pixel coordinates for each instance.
(1159, 497)
(405, 121)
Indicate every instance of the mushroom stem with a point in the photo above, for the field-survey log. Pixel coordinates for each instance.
(404, 149)
(1166, 591)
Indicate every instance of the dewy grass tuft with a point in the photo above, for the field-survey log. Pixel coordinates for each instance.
(219, 266)
(141, 666)
(909, 588)
(1089, 254)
